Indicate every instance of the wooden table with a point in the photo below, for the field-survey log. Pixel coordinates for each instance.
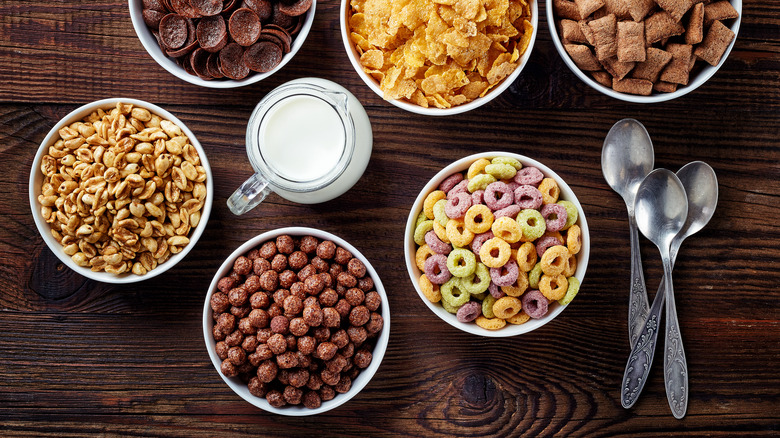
(78, 357)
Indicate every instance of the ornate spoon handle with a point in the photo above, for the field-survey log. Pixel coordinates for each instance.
(675, 365)
(641, 357)
(638, 307)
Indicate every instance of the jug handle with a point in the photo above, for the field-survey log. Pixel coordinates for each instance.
(251, 193)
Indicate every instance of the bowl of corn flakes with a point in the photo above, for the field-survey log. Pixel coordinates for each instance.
(440, 57)
(497, 244)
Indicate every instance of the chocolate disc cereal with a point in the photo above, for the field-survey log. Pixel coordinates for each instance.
(302, 345)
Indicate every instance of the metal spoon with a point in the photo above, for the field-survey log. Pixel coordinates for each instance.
(662, 211)
(626, 158)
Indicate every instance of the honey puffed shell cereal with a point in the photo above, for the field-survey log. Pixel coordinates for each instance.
(439, 53)
(502, 247)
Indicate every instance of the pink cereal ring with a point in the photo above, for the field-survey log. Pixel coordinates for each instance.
(477, 198)
(527, 196)
(513, 185)
(495, 291)
(544, 243)
(450, 182)
(511, 211)
(436, 269)
(436, 244)
(457, 205)
(559, 212)
(479, 239)
(505, 275)
(469, 311)
(534, 304)
(529, 176)
(460, 187)
(498, 195)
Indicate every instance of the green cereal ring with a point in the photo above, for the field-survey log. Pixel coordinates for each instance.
(452, 293)
(480, 181)
(534, 275)
(438, 212)
(481, 296)
(571, 213)
(461, 262)
(571, 292)
(487, 306)
(482, 274)
(508, 160)
(501, 171)
(447, 307)
(420, 219)
(420, 230)
(532, 223)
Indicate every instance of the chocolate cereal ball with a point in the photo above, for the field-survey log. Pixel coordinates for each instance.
(309, 244)
(354, 296)
(267, 370)
(242, 265)
(280, 324)
(297, 260)
(356, 268)
(275, 398)
(268, 250)
(359, 315)
(346, 279)
(236, 355)
(279, 263)
(312, 400)
(226, 283)
(277, 343)
(219, 302)
(287, 278)
(366, 283)
(298, 327)
(257, 388)
(260, 265)
(342, 256)
(306, 344)
(328, 297)
(259, 300)
(326, 250)
(326, 350)
(228, 368)
(269, 280)
(313, 316)
(327, 393)
(293, 395)
(331, 317)
(372, 300)
(320, 265)
(285, 244)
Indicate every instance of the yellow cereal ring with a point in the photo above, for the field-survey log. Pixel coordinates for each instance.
(487, 306)
(423, 252)
(420, 219)
(490, 324)
(550, 191)
(574, 239)
(520, 286)
(526, 256)
(449, 308)
(438, 212)
(457, 233)
(480, 181)
(571, 266)
(501, 170)
(478, 218)
(532, 223)
(553, 287)
(432, 198)
(555, 259)
(507, 229)
(571, 291)
(420, 230)
(441, 232)
(514, 162)
(477, 167)
(430, 290)
(520, 318)
(534, 275)
(506, 307)
(495, 253)
(571, 213)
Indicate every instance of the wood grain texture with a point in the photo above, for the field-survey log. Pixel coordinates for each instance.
(81, 358)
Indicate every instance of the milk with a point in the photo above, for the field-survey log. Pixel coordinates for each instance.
(302, 138)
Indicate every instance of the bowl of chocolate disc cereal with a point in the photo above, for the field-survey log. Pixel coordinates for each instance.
(296, 321)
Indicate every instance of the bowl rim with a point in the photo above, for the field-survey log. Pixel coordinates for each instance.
(241, 388)
(416, 109)
(704, 75)
(36, 179)
(153, 49)
(410, 247)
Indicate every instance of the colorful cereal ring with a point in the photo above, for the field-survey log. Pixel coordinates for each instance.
(459, 188)
(534, 275)
(571, 291)
(571, 266)
(532, 224)
(487, 306)
(448, 307)
(528, 197)
(480, 182)
(507, 229)
(571, 213)
(574, 239)
(505, 275)
(495, 253)
(514, 162)
(479, 239)
(450, 182)
(554, 216)
(452, 293)
(432, 198)
(495, 291)
(423, 252)
(507, 307)
(478, 219)
(545, 242)
(550, 191)
(477, 167)
(498, 195)
(469, 311)
(430, 290)
(519, 288)
(490, 324)
(511, 211)
(458, 234)
(553, 287)
(436, 269)
(441, 231)
(520, 318)
(457, 205)
(530, 175)
(554, 260)
(526, 256)
(438, 212)
(535, 304)
(478, 197)
(461, 262)
(420, 230)
(420, 218)
(500, 170)
(436, 245)
(482, 275)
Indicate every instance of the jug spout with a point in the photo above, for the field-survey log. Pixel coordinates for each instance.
(339, 98)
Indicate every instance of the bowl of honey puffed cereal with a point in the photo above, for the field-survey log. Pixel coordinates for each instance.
(496, 244)
(296, 321)
(120, 190)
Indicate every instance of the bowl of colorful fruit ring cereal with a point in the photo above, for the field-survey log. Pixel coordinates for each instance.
(496, 244)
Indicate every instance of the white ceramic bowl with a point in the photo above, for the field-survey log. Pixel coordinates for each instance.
(150, 44)
(240, 387)
(36, 180)
(695, 82)
(372, 83)
(410, 248)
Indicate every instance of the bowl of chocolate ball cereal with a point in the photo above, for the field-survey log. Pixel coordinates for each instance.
(296, 321)
(644, 51)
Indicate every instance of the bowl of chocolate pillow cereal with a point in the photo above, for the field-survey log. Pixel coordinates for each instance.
(296, 321)
(644, 51)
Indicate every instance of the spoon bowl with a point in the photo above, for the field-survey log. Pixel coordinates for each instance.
(701, 188)
(661, 208)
